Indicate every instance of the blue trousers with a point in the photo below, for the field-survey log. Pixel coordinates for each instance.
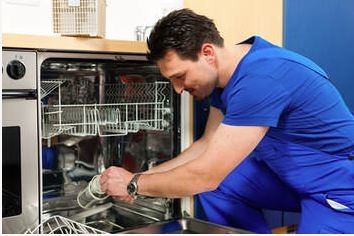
(253, 186)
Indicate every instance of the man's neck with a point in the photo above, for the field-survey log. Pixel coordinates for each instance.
(228, 60)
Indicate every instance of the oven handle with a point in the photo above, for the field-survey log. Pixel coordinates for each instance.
(19, 93)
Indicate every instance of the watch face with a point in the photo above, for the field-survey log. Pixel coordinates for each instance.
(131, 188)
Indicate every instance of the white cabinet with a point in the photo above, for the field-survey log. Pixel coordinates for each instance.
(122, 16)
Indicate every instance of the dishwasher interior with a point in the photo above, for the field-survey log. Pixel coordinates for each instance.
(100, 110)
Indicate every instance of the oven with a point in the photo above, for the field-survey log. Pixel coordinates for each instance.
(20, 141)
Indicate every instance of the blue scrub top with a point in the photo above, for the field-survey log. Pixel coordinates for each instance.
(311, 130)
(299, 105)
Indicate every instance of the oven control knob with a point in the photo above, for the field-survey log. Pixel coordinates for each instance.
(16, 69)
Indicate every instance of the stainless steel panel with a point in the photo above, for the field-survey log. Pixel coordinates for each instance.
(23, 113)
(28, 62)
(185, 226)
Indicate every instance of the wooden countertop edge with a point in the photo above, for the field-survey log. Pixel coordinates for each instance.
(72, 43)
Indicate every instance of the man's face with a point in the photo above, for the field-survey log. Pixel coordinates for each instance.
(199, 78)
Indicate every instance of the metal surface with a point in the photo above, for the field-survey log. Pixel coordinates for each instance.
(90, 212)
(119, 217)
(135, 152)
(153, 133)
(22, 111)
(110, 217)
(185, 226)
(28, 60)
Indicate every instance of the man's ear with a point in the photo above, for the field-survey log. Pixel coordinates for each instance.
(208, 52)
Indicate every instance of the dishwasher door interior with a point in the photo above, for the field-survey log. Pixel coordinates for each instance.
(101, 110)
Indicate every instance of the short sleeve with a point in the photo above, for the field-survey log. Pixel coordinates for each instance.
(256, 100)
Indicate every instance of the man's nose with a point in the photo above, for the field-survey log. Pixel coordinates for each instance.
(178, 87)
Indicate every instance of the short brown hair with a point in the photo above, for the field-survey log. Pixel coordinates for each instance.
(184, 32)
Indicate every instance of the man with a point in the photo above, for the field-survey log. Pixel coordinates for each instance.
(278, 135)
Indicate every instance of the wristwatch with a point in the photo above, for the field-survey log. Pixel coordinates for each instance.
(132, 187)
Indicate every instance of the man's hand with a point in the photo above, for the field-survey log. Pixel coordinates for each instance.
(114, 182)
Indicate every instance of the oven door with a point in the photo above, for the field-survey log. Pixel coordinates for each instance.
(20, 160)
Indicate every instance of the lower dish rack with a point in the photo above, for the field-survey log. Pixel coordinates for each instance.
(62, 225)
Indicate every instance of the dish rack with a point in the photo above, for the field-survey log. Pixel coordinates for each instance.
(126, 108)
(62, 225)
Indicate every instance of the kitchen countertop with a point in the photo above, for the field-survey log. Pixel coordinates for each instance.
(72, 43)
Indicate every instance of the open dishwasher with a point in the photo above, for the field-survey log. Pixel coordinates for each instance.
(99, 110)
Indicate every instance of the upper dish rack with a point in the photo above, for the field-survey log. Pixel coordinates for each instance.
(126, 108)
